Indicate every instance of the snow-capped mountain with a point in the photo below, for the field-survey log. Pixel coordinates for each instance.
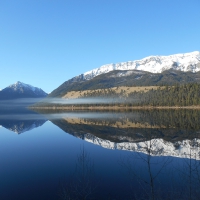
(21, 90)
(22, 86)
(154, 64)
(152, 70)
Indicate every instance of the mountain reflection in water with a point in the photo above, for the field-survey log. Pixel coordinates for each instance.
(172, 133)
(146, 154)
(20, 122)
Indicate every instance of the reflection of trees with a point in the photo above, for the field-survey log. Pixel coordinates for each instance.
(82, 185)
(148, 185)
(190, 173)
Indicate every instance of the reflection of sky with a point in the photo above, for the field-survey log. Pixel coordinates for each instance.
(88, 115)
(41, 157)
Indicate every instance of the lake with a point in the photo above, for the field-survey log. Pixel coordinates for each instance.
(141, 154)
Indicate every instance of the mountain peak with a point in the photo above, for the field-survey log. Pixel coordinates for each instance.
(18, 82)
(19, 85)
(21, 90)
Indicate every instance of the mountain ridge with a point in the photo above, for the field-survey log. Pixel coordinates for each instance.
(152, 70)
(154, 64)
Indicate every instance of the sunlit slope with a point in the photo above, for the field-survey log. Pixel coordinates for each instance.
(121, 90)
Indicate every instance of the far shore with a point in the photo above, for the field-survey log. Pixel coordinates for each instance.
(111, 107)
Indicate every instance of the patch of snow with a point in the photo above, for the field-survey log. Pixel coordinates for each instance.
(121, 74)
(138, 77)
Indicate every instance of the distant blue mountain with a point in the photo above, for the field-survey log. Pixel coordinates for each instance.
(21, 90)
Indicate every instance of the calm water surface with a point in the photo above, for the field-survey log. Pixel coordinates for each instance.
(100, 155)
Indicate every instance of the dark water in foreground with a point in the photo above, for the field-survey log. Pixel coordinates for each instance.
(100, 155)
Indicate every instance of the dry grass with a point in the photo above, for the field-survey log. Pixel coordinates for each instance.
(126, 90)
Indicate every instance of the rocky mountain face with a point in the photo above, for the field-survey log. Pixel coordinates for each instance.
(21, 90)
(152, 70)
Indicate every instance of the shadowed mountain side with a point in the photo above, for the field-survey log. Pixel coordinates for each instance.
(125, 78)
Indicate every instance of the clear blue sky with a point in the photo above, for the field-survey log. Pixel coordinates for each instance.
(46, 42)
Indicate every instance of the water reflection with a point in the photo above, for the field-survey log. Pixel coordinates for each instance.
(162, 178)
(145, 155)
(83, 183)
(166, 134)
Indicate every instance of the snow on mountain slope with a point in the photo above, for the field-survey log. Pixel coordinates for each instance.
(155, 64)
(159, 147)
(18, 85)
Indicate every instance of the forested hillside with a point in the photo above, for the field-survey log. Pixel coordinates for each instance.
(178, 95)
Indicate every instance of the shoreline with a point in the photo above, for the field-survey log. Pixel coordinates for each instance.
(112, 107)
